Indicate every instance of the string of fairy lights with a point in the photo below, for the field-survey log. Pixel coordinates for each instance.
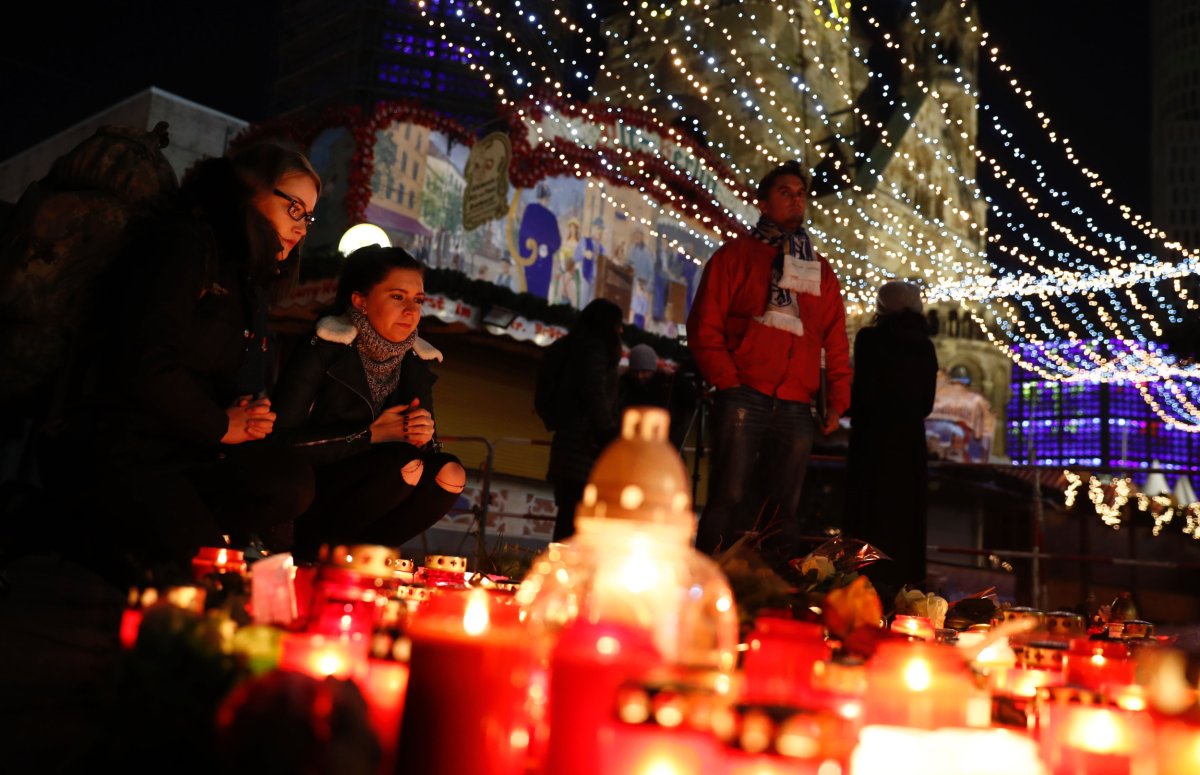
(1114, 500)
(770, 108)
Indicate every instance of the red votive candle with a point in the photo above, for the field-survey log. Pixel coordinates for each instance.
(671, 733)
(324, 656)
(1177, 745)
(917, 684)
(217, 559)
(131, 622)
(466, 704)
(1095, 664)
(1092, 740)
(589, 663)
(778, 665)
(384, 687)
(913, 626)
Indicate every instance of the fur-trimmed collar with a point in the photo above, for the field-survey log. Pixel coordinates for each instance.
(339, 329)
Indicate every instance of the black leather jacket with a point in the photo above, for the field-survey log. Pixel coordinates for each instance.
(323, 403)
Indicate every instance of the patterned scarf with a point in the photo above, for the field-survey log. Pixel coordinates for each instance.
(793, 272)
(795, 242)
(380, 357)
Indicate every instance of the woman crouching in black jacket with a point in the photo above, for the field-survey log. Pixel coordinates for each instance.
(357, 402)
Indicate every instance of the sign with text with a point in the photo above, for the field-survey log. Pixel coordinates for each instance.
(486, 194)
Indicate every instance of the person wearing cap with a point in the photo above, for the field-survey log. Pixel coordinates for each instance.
(643, 383)
(895, 378)
(767, 307)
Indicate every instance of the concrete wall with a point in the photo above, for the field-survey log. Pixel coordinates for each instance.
(196, 131)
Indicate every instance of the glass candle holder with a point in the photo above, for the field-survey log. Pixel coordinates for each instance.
(631, 561)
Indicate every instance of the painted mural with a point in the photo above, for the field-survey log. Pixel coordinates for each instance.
(565, 239)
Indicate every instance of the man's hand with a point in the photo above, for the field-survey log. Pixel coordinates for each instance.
(831, 425)
(249, 419)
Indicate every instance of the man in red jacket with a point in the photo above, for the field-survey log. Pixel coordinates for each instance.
(767, 307)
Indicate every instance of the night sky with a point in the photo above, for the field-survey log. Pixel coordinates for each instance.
(1088, 64)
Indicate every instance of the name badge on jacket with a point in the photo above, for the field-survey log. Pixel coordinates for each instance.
(800, 276)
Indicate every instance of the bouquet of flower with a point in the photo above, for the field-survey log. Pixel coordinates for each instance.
(755, 584)
(834, 564)
(849, 606)
(914, 602)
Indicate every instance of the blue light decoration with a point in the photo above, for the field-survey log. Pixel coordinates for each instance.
(1094, 424)
(420, 61)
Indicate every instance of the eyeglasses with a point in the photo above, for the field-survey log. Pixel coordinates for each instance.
(295, 209)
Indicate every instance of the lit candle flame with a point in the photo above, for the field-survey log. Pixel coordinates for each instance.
(608, 646)
(661, 766)
(917, 675)
(329, 663)
(475, 618)
(222, 557)
(1098, 731)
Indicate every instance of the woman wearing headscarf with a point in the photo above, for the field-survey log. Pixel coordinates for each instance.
(895, 376)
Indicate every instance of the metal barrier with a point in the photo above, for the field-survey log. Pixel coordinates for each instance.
(485, 493)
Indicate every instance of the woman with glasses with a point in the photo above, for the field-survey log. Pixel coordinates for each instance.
(168, 433)
(357, 402)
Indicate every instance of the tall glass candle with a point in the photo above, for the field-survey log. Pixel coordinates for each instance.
(465, 709)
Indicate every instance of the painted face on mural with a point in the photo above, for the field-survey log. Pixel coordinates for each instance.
(393, 306)
(486, 160)
(294, 194)
(785, 202)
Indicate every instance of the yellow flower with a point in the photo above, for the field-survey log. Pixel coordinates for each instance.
(853, 606)
(819, 565)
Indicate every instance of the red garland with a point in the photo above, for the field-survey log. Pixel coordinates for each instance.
(638, 170)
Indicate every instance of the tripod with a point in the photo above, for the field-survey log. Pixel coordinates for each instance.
(697, 422)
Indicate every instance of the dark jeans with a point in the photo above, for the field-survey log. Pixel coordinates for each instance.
(764, 439)
(363, 499)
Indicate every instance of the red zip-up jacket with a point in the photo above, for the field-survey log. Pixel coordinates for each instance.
(732, 348)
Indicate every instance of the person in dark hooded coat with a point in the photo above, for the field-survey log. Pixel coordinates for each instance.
(895, 376)
(161, 450)
(587, 407)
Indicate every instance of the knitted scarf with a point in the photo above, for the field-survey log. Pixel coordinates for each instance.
(795, 271)
(380, 357)
(795, 242)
